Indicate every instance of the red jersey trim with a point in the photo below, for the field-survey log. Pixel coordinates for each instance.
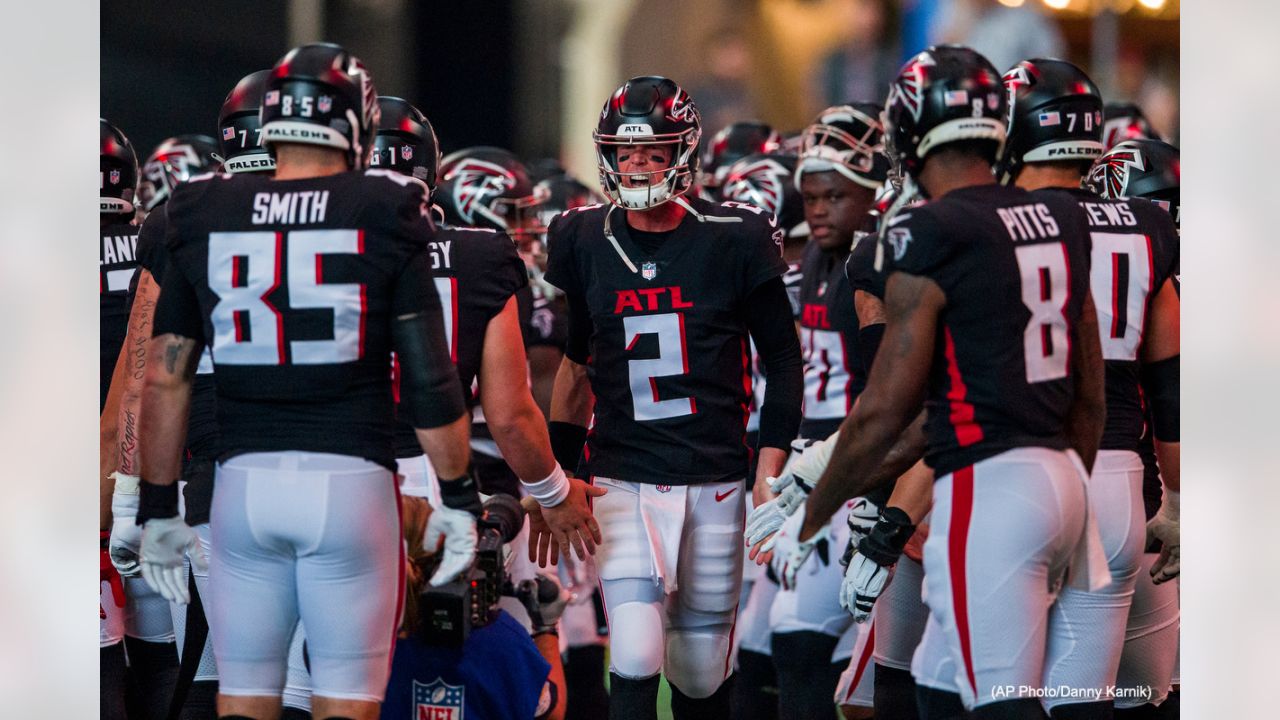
(967, 430)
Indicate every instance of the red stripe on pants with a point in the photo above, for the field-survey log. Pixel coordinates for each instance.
(957, 539)
(862, 662)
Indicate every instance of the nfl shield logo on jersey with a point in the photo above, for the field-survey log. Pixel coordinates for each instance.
(437, 700)
(649, 270)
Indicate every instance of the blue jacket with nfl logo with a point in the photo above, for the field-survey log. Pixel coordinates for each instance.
(497, 675)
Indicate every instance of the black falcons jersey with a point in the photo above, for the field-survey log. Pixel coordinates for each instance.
(476, 273)
(669, 360)
(791, 281)
(547, 322)
(833, 375)
(116, 264)
(295, 283)
(1135, 249)
(1014, 268)
(860, 268)
(202, 443)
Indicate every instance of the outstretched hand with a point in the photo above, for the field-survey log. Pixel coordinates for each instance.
(553, 530)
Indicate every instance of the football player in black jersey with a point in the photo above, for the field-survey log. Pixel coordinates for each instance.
(148, 626)
(989, 323)
(664, 292)
(1055, 134)
(477, 274)
(302, 285)
(1150, 169)
(841, 167)
(241, 151)
(118, 178)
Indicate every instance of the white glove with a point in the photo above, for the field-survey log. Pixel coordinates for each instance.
(764, 521)
(862, 518)
(164, 542)
(1164, 527)
(126, 534)
(800, 551)
(458, 528)
(863, 582)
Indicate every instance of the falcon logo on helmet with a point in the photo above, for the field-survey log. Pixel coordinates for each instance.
(683, 109)
(759, 182)
(1112, 171)
(1015, 78)
(908, 88)
(475, 181)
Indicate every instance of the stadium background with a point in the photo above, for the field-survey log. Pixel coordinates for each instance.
(530, 75)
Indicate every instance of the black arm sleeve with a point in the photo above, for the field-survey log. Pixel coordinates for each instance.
(578, 344)
(869, 339)
(768, 313)
(1161, 382)
(430, 392)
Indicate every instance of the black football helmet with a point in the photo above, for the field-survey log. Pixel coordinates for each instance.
(1145, 168)
(174, 161)
(320, 94)
(559, 193)
(1125, 121)
(848, 139)
(117, 171)
(945, 94)
(486, 187)
(1055, 114)
(240, 128)
(765, 181)
(545, 169)
(648, 110)
(734, 142)
(406, 142)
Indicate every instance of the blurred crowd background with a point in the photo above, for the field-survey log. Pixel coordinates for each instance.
(531, 75)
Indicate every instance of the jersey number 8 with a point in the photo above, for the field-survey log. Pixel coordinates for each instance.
(245, 268)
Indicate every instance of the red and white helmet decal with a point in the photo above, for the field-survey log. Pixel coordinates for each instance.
(477, 181)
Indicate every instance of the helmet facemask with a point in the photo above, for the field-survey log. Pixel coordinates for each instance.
(659, 185)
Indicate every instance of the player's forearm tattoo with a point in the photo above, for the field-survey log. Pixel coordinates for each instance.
(141, 333)
(128, 443)
(176, 354)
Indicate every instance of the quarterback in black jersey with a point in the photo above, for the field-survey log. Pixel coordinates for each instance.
(1134, 255)
(989, 323)
(664, 292)
(303, 284)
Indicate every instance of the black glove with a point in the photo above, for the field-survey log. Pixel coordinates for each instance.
(544, 600)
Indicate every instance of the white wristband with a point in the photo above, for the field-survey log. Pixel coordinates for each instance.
(551, 490)
(126, 484)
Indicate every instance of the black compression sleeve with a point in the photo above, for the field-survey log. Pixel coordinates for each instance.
(768, 314)
(430, 392)
(178, 311)
(578, 346)
(869, 339)
(1161, 383)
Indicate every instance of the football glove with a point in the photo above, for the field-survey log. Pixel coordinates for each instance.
(164, 543)
(126, 535)
(1165, 528)
(764, 521)
(869, 568)
(862, 518)
(799, 551)
(458, 530)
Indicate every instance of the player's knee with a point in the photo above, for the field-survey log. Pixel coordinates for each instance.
(636, 650)
(696, 660)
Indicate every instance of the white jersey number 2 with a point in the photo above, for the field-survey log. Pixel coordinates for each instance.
(673, 359)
